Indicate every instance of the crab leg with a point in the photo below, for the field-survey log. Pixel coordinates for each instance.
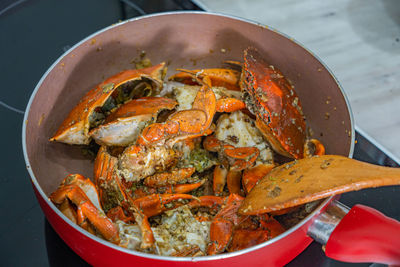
(169, 178)
(183, 188)
(229, 104)
(233, 180)
(86, 210)
(111, 190)
(219, 77)
(207, 201)
(155, 204)
(117, 214)
(219, 179)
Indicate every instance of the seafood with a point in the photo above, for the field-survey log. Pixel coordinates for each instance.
(176, 160)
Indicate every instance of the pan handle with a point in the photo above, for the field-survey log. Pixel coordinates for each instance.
(361, 234)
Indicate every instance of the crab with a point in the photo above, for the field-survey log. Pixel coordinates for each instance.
(152, 151)
(279, 113)
(271, 98)
(121, 204)
(78, 199)
(231, 231)
(123, 126)
(99, 101)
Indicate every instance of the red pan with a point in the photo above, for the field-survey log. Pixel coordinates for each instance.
(194, 40)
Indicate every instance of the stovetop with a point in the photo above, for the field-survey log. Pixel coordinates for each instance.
(34, 34)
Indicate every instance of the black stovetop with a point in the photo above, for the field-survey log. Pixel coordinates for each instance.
(34, 34)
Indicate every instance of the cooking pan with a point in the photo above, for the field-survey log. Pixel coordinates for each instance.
(193, 40)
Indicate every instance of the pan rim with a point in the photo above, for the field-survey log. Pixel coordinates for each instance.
(170, 258)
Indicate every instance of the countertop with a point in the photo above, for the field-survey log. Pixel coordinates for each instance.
(359, 40)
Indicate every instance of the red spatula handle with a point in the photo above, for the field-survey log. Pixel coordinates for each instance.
(365, 235)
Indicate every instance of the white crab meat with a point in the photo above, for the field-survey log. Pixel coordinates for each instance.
(135, 166)
(185, 94)
(122, 131)
(178, 230)
(239, 130)
(130, 235)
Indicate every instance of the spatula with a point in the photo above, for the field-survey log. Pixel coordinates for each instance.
(314, 178)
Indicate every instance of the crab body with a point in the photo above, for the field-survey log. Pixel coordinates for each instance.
(272, 99)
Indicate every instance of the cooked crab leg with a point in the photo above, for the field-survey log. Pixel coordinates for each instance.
(233, 182)
(207, 201)
(75, 128)
(229, 104)
(184, 123)
(117, 214)
(219, 179)
(169, 178)
(156, 203)
(219, 77)
(171, 189)
(86, 210)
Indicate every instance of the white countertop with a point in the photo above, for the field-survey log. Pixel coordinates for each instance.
(359, 40)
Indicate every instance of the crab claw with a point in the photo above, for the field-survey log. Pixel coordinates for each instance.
(114, 194)
(184, 123)
(227, 78)
(86, 210)
(272, 99)
(111, 189)
(123, 126)
(233, 180)
(90, 111)
(207, 201)
(219, 179)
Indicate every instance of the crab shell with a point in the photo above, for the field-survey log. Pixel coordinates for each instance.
(123, 126)
(270, 96)
(75, 128)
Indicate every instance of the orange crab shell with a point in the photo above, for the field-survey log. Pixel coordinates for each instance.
(227, 78)
(75, 128)
(278, 109)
